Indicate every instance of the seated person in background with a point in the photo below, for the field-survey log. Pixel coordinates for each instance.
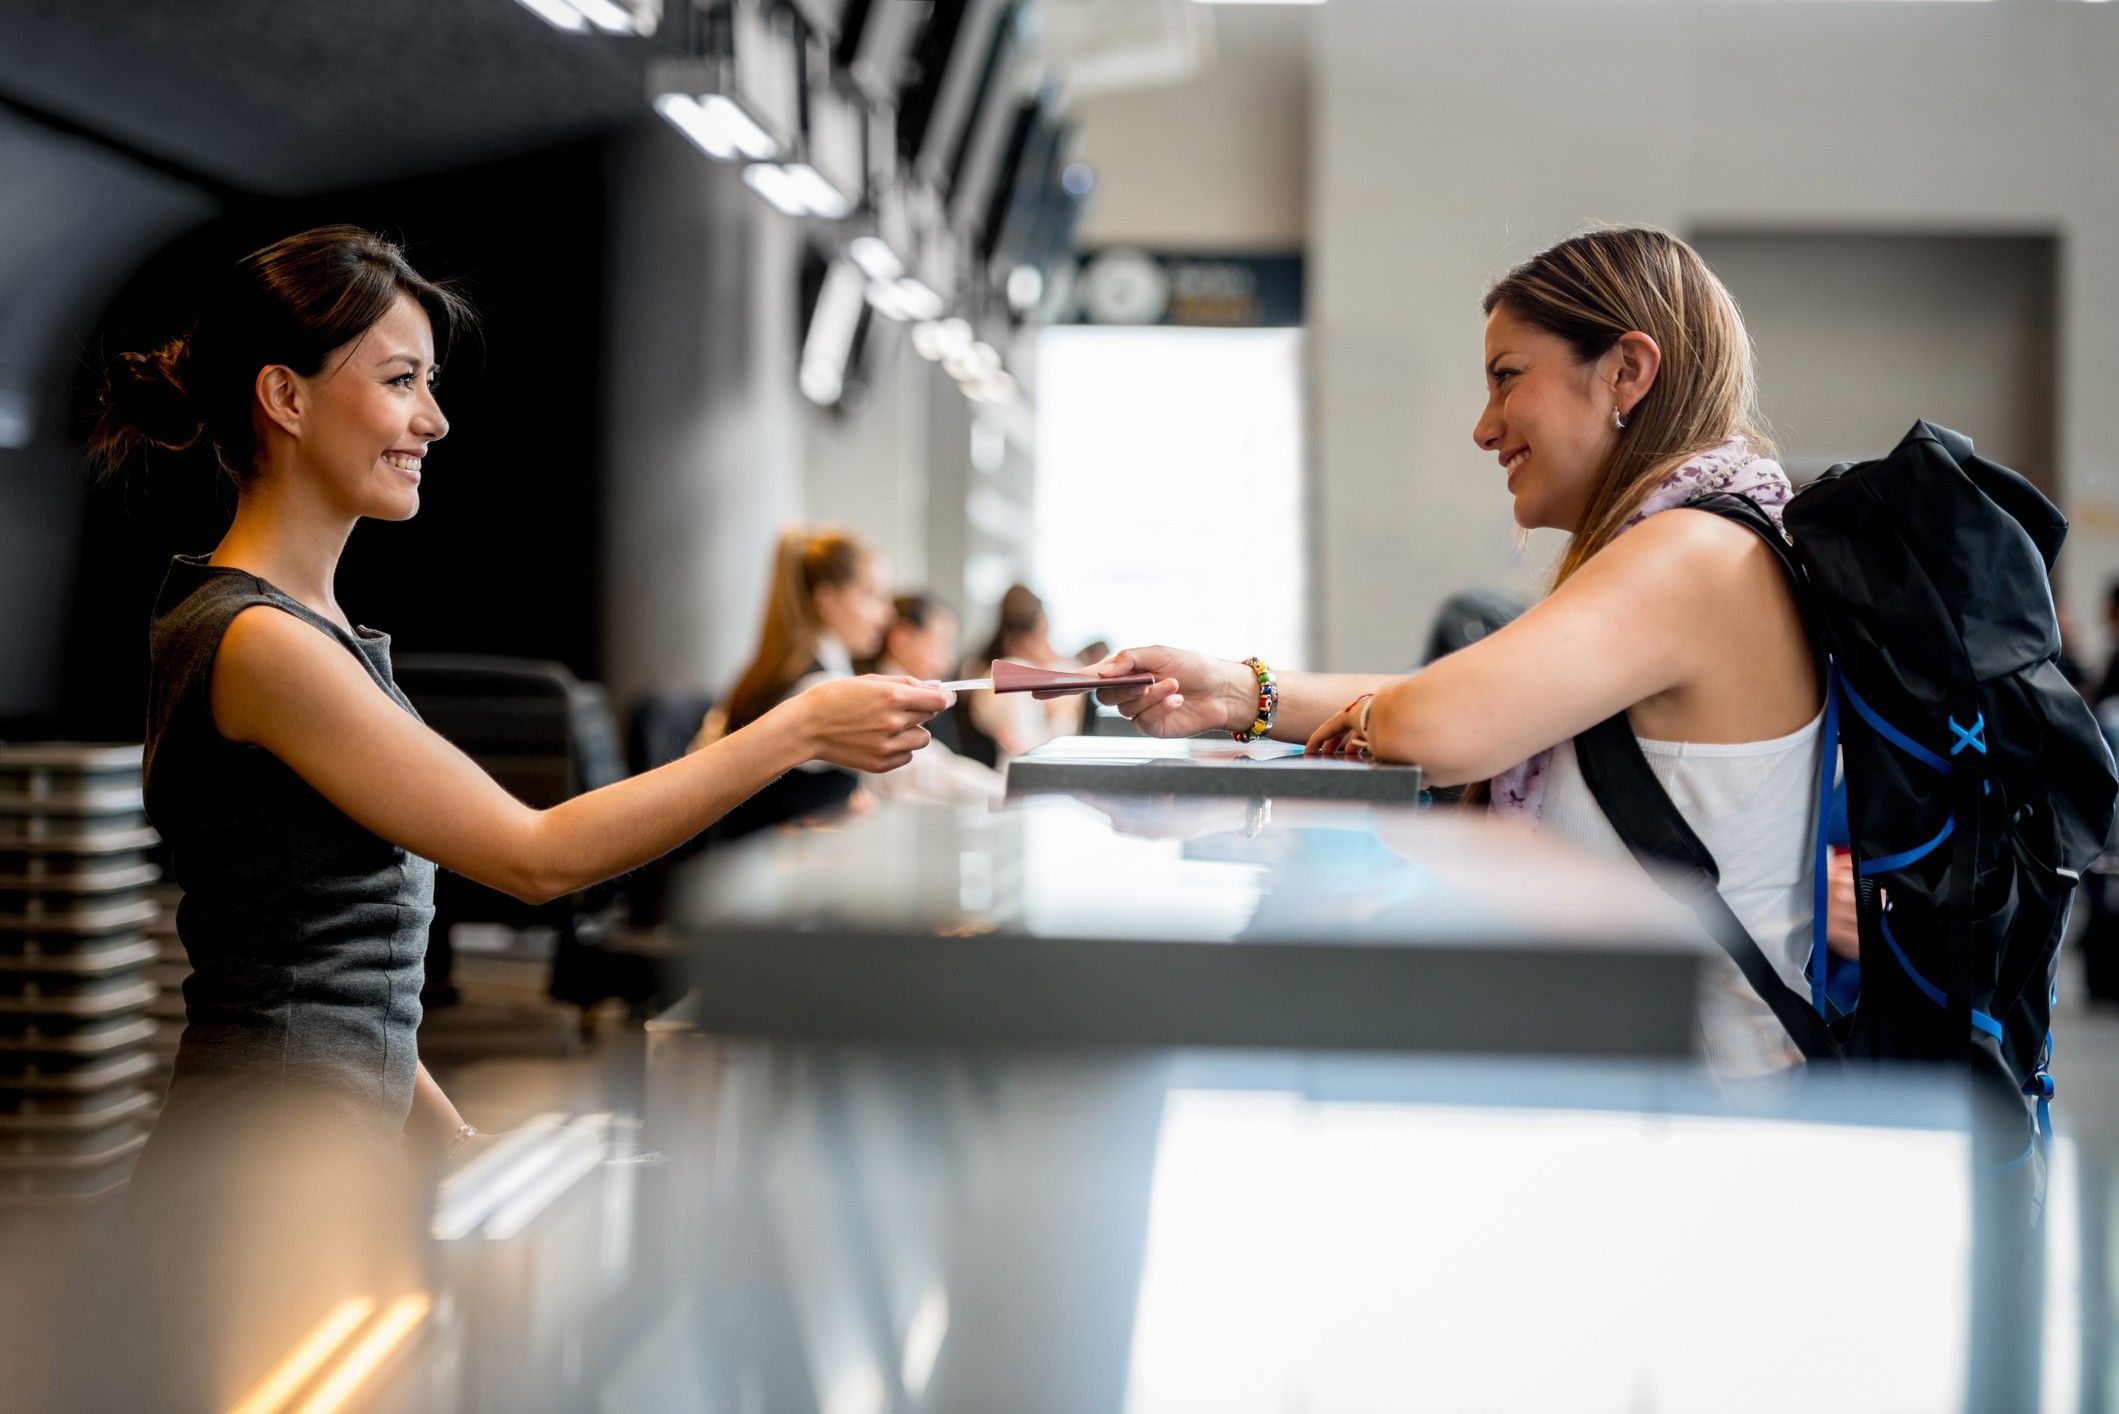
(921, 643)
(993, 728)
(823, 609)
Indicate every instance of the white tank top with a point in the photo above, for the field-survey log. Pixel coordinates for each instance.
(1754, 805)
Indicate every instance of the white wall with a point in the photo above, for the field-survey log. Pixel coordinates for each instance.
(704, 444)
(866, 467)
(1855, 333)
(1452, 138)
(1217, 162)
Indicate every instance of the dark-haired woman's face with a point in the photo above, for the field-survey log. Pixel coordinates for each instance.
(1548, 419)
(372, 415)
(929, 652)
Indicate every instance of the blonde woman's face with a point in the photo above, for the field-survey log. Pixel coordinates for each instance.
(856, 612)
(1547, 421)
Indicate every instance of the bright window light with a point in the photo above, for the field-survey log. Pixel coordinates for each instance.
(1169, 503)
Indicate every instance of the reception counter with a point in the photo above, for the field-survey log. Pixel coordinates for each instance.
(1125, 920)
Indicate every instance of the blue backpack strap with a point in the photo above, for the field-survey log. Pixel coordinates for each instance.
(1820, 888)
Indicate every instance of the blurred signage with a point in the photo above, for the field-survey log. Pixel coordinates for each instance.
(1202, 290)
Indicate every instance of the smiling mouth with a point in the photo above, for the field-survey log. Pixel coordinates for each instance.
(1515, 463)
(402, 462)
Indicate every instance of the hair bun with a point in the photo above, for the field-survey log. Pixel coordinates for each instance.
(149, 390)
(145, 404)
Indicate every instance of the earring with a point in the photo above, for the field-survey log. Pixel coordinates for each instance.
(1618, 421)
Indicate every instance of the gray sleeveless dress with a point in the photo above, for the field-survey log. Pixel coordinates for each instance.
(307, 934)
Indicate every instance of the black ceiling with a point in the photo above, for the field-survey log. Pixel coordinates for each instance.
(286, 97)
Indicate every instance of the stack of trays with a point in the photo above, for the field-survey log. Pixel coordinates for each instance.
(77, 898)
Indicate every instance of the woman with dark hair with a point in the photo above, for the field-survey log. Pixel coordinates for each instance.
(305, 805)
(1620, 388)
(921, 643)
(997, 728)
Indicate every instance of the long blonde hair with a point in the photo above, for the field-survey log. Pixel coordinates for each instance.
(1591, 289)
(806, 559)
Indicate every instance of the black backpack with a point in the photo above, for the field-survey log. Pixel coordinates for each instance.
(1978, 785)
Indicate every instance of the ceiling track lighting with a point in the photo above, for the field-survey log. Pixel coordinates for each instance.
(619, 17)
(693, 96)
(797, 189)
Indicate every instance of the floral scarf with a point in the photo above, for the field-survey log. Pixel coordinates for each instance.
(1520, 790)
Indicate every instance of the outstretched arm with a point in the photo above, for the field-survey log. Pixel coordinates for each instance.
(1644, 617)
(1194, 693)
(280, 684)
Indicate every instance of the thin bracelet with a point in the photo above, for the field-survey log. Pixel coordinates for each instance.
(463, 1135)
(1268, 701)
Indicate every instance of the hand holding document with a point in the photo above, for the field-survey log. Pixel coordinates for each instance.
(1043, 682)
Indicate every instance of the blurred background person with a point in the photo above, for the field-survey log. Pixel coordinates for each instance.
(996, 728)
(921, 643)
(824, 607)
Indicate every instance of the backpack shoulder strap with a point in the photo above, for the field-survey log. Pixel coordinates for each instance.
(1658, 836)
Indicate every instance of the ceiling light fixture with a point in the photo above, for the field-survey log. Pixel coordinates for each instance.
(717, 126)
(818, 194)
(875, 257)
(927, 339)
(772, 182)
(558, 14)
(797, 189)
(609, 16)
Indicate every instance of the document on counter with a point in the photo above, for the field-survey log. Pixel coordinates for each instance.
(1021, 677)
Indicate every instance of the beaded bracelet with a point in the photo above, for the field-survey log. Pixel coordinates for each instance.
(1268, 701)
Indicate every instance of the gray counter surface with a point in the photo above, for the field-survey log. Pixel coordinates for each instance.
(1123, 920)
(1140, 765)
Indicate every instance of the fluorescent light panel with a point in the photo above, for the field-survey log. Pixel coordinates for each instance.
(717, 126)
(776, 186)
(797, 189)
(875, 257)
(558, 14)
(606, 16)
(610, 16)
(818, 195)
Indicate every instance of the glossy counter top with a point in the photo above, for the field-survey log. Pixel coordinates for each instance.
(1191, 922)
(1138, 765)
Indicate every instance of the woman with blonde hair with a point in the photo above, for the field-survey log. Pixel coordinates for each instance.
(824, 609)
(1620, 388)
